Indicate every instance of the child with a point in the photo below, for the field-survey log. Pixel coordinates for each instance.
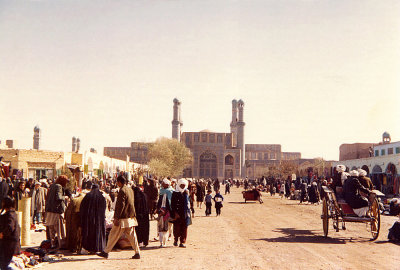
(218, 199)
(208, 201)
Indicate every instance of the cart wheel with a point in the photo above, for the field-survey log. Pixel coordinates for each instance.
(376, 223)
(325, 217)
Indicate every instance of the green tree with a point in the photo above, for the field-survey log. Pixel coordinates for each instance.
(168, 157)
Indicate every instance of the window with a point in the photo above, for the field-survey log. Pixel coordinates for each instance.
(397, 150)
(187, 139)
(390, 151)
(253, 156)
(196, 137)
(273, 156)
(383, 152)
(228, 160)
(212, 138)
(259, 155)
(204, 137)
(265, 156)
(220, 138)
(377, 153)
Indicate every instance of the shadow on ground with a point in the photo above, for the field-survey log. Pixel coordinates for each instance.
(292, 235)
(244, 202)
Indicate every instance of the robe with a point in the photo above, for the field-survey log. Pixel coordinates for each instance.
(73, 224)
(142, 217)
(10, 244)
(93, 221)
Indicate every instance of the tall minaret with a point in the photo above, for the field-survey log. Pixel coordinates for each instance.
(234, 122)
(177, 121)
(240, 137)
(36, 137)
(78, 144)
(74, 144)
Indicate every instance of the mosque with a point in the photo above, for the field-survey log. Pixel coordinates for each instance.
(225, 155)
(215, 154)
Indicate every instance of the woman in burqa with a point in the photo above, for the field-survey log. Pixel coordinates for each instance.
(142, 216)
(93, 216)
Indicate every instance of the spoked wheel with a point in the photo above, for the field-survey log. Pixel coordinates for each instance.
(376, 222)
(325, 217)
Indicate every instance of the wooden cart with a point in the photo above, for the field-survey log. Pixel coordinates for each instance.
(252, 195)
(340, 212)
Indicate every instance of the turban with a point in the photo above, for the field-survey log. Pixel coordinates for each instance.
(344, 177)
(362, 172)
(340, 168)
(354, 173)
(166, 182)
(182, 181)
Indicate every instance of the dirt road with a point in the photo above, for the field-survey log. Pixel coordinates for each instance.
(279, 234)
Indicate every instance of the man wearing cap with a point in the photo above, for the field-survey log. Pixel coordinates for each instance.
(180, 212)
(38, 203)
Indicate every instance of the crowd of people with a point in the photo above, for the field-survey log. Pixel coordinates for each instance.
(103, 213)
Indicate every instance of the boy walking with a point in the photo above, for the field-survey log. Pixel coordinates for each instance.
(208, 201)
(218, 202)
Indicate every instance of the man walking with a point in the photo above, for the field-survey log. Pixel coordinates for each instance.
(180, 212)
(124, 220)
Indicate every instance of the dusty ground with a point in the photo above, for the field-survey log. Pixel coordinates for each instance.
(279, 234)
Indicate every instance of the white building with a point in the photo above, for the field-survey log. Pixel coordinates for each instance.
(383, 167)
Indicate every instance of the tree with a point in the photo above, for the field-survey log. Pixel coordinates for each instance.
(287, 167)
(168, 157)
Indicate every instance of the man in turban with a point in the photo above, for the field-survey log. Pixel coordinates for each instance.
(364, 180)
(351, 189)
(180, 212)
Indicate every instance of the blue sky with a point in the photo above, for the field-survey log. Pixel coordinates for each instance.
(312, 74)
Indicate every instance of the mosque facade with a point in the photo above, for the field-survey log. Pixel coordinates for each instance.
(220, 155)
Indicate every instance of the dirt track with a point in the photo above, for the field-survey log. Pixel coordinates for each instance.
(279, 234)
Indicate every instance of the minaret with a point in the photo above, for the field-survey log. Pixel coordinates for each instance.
(177, 121)
(240, 137)
(73, 144)
(36, 137)
(78, 145)
(234, 122)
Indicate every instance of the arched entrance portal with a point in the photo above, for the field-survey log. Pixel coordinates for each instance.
(208, 165)
(229, 161)
(389, 184)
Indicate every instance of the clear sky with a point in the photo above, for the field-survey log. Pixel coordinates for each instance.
(312, 74)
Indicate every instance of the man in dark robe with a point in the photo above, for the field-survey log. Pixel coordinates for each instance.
(351, 189)
(142, 216)
(152, 197)
(3, 189)
(9, 233)
(93, 211)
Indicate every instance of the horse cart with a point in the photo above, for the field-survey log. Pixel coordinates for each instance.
(339, 212)
(252, 195)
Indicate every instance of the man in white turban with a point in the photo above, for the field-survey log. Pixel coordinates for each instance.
(338, 178)
(180, 212)
(352, 188)
(364, 180)
(164, 208)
